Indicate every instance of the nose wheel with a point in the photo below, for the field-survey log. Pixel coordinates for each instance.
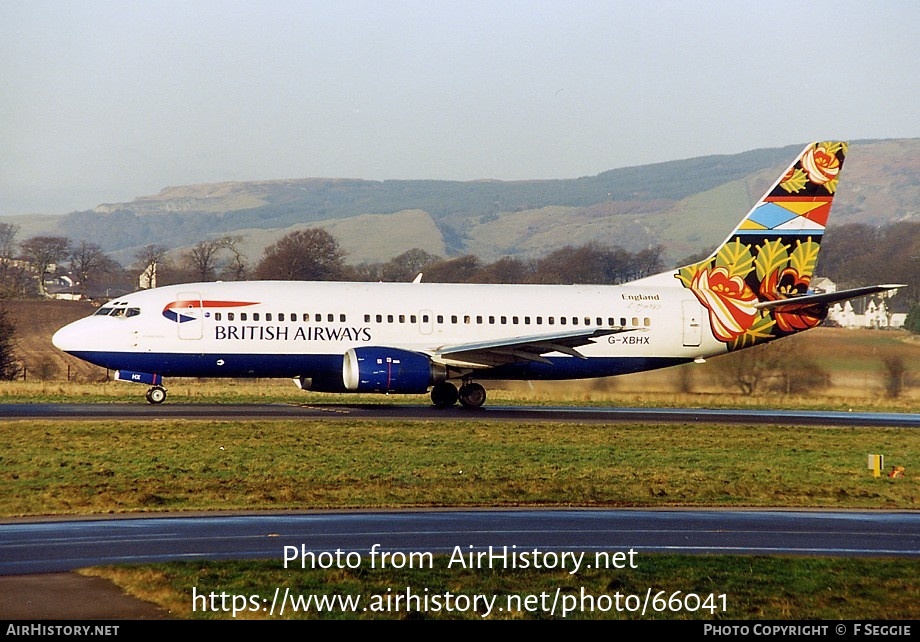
(156, 395)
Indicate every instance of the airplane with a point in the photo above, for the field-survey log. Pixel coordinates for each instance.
(419, 337)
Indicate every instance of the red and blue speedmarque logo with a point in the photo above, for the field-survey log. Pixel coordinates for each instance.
(174, 310)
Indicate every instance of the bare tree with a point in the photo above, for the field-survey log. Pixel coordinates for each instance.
(201, 261)
(88, 262)
(206, 261)
(305, 255)
(43, 252)
(783, 367)
(407, 265)
(895, 372)
(13, 278)
(150, 261)
(8, 233)
(235, 267)
(9, 365)
(507, 269)
(462, 269)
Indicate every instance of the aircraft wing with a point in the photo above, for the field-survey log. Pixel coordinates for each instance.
(825, 298)
(526, 348)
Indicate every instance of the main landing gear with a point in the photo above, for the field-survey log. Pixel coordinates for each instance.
(156, 395)
(445, 395)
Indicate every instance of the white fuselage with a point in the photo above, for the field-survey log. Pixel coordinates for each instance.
(303, 329)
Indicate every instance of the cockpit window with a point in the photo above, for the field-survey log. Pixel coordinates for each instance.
(117, 312)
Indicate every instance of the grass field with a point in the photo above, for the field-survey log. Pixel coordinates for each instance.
(98, 467)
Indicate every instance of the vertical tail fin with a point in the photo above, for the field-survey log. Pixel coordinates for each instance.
(771, 254)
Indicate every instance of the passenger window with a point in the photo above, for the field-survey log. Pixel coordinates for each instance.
(648, 322)
(466, 318)
(514, 320)
(330, 318)
(243, 316)
(526, 320)
(562, 320)
(389, 318)
(318, 318)
(342, 318)
(255, 316)
(379, 318)
(402, 318)
(412, 318)
(550, 320)
(440, 318)
(230, 316)
(306, 317)
(539, 320)
(492, 320)
(268, 316)
(635, 321)
(503, 320)
(479, 319)
(424, 318)
(367, 318)
(623, 321)
(453, 318)
(280, 316)
(217, 316)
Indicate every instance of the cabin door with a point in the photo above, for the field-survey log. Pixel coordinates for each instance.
(188, 315)
(693, 327)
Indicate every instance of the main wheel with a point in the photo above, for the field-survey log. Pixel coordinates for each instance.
(157, 394)
(444, 394)
(472, 395)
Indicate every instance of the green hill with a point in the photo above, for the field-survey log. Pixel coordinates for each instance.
(687, 205)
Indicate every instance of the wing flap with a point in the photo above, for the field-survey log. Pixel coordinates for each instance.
(523, 349)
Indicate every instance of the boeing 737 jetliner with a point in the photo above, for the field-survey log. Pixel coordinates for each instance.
(415, 337)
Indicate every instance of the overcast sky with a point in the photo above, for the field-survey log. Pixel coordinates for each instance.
(103, 101)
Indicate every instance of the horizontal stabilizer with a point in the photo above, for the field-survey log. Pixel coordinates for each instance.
(827, 297)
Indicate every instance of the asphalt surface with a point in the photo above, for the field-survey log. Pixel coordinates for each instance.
(70, 596)
(407, 412)
(49, 547)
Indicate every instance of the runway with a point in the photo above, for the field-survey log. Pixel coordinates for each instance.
(55, 545)
(405, 412)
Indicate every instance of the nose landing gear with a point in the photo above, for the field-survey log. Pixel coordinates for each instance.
(156, 395)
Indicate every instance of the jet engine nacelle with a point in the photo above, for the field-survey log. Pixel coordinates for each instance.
(374, 369)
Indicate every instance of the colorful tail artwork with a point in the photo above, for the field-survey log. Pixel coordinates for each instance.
(771, 256)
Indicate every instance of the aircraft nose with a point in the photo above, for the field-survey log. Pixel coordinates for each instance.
(74, 336)
(63, 338)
